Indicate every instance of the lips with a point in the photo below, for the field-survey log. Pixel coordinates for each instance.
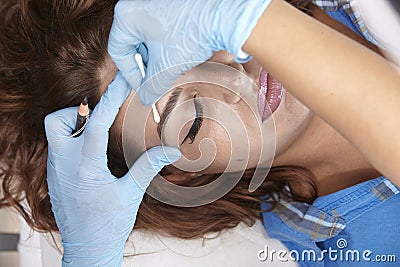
(269, 96)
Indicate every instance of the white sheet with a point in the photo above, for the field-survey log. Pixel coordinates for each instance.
(234, 248)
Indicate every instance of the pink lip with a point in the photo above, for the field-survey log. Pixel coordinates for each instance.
(269, 96)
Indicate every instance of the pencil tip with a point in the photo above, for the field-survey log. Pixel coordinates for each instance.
(85, 101)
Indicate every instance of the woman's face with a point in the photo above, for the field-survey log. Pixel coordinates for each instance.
(219, 115)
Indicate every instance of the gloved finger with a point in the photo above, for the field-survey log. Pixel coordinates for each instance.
(60, 124)
(101, 119)
(144, 53)
(150, 164)
(159, 80)
(61, 146)
(123, 47)
(130, 70)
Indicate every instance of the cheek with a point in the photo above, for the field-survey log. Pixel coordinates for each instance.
(290, 122)
(231, 151)
(226, 143)
(209, 153)
(221, 148)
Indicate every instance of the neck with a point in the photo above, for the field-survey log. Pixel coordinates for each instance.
(333, 160)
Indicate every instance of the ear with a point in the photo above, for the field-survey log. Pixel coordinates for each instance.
(178, 178)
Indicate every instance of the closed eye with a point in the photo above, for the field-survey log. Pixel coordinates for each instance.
(198, 121)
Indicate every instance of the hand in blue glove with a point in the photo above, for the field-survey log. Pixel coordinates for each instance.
(95, 212)
(174, 36)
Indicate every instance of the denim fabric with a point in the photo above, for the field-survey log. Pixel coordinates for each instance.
(370, 213)
(344, 18)
(345, 12)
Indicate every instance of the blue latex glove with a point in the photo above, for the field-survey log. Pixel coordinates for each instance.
(176, 35)
(95, 212)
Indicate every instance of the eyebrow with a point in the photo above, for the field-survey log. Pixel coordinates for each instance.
(171, 104)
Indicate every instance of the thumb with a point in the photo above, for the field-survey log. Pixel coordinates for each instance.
(163, 68)
(60, 124)
(150, 164)
(123, 48)
(157, 83)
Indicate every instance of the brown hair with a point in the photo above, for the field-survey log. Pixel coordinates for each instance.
(51, 54)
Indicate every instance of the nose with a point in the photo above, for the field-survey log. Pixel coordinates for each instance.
(224, 57)
(231, 97)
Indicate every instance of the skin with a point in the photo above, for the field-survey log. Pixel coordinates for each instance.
(302, 138)
(242, 101)
(369, 98)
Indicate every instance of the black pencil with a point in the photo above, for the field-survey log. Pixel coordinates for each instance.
(81, 118)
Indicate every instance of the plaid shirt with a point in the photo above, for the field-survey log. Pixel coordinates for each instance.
(348, 7)
(352, 213)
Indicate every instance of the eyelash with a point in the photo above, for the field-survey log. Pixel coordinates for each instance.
(198, 121)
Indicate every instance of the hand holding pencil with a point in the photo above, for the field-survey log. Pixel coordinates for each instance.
(95, 212)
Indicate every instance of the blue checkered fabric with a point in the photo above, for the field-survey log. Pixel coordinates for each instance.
(347, 6)
(365, 215)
